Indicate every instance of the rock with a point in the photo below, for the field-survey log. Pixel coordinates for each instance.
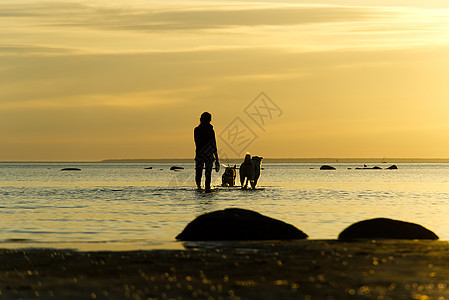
(176, 168)
(392, 167)
(235, 224)
(326, 167)
(70, 169)
(148, 168)
(369, 168)
(382, 228)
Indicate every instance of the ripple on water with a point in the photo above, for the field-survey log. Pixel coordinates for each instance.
(108, 202)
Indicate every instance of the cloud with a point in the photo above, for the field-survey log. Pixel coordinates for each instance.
(95, 78)
(26, 9)
(92, 79)
(52, 78)
(157, 19)
(97, 27)
(211, 19)
(89, 74)
(18, 49)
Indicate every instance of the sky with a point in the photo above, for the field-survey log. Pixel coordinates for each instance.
(93, 80)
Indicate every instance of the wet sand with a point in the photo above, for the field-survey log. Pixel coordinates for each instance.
(307, 269)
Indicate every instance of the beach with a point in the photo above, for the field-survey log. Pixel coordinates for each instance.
(304, 269)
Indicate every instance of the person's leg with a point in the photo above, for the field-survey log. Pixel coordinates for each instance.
(198, 173)
(208, 175)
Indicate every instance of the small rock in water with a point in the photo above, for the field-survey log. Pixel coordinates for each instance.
(383, 228)
(71, 169)
(327, 167)
(236, 224)
(176, 168)
(392, 167)
(369, 168)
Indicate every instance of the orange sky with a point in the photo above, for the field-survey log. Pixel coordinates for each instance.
(93, 80)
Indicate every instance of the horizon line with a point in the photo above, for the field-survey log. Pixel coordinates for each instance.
(268, 159)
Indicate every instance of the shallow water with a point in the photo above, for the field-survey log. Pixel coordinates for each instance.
(110, 206)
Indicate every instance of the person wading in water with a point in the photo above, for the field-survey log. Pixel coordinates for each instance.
(206, 150)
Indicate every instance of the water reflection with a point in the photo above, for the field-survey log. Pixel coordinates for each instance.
(109, 202)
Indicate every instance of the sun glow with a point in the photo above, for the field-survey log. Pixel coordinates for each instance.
(353, 80)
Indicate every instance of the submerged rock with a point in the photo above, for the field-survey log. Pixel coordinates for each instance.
(70, 169)
(382, 228)
(369, 168)
(327, 167)
(235, 224)
(176, 168)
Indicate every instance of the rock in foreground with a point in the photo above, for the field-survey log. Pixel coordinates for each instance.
(235, 224)
(382, 228)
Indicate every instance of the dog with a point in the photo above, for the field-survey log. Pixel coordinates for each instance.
(229, 175)
(250, 170)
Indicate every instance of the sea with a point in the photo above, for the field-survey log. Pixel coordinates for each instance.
(112, 206)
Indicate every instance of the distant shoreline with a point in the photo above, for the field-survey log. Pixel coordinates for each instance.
(311, 160)
(280, 160)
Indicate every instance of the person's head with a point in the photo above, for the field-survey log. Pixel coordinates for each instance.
(205, 118)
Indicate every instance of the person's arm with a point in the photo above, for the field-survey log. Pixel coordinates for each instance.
(217, 161)
(216, 153)
(195, 135)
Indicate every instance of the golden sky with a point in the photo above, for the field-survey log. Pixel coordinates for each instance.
(93, 80)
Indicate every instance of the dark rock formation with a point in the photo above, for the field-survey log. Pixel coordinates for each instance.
(369, 168)
(382, 228)
(326, 167)
(392, 167)
(71, 169)
(148, 168)
(176, 168)
(235, 224)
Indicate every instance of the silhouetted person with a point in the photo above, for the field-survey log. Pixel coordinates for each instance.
(206, 150)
